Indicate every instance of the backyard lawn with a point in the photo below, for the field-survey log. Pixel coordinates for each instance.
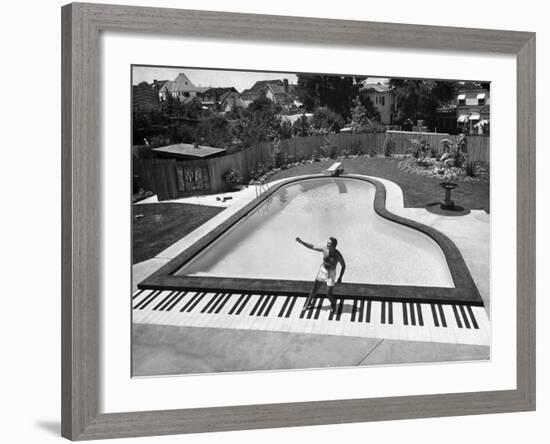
(419, 191)
(159, 225)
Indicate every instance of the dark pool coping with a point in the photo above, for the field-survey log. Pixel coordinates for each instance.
(465, 291)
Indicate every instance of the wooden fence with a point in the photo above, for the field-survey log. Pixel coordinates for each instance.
(170, 179)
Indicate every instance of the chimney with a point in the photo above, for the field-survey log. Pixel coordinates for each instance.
(285, 83)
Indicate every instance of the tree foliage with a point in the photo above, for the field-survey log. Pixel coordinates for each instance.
(326, 120)
(334, 92)
(419, 99)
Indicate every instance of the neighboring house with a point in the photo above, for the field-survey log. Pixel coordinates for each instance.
(382, 98)
(445, 119)
(231, 100)
(181, 88)
(144, 98)
(473, 108)
(221, 99)
(278, 91)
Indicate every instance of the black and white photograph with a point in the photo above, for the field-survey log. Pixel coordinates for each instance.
(307, 220)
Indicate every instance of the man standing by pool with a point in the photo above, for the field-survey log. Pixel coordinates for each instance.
(327, 271)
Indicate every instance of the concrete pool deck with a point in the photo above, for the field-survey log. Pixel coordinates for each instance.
(163, 350)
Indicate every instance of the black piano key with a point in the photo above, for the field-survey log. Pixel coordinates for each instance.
(420, 317)
(405, 315)
(413, 316)
(146, 299)
(331, 315)
(243, 304)
(189, 302)
(319, 306)
(353, 310)
(340, 309)
(137, 294)
(390, 312)
(464, 316)
(171, 296)
(383, 313)
(216, 303)
(291, 306)
(150, 300)
(457, 317)
(313, 306)
(194, 304)
(222, 304)
(442, 316)
(264, 305)
(434, 315)
(270, 306)
(285, 303)
(303, 312)
(176, 301)
(164, 299)
(472, 317)
(361, 310)
(369, 305)
(215, 297)
(257, 306)
(236, 304)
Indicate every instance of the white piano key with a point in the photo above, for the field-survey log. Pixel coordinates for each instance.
(452, 327)
(420, 332)
(207, 318)
(149, 316)
(247, 321)
(141, 297)
(276, 323)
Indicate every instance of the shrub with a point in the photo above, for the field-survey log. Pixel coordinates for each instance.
(355, 148)
(419, 148)
(389, 146)
(232, 178)
(454, 154)
(328, 149)
(471, 168)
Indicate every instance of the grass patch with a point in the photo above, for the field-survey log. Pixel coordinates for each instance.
(159, 225)
(418, 191)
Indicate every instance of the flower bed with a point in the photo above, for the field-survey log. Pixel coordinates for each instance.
(433, 167)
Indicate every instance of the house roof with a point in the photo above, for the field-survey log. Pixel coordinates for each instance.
(189, 150)
(229, 93)
(249, 94)
(377, 87)
(182, 83)
(261, 84)
(218, 90)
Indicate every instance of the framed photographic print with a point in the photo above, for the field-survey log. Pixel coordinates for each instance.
(261, 213)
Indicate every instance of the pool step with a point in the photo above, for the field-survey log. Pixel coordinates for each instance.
(409, 321)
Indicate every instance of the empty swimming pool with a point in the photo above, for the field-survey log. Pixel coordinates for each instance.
(261, 245)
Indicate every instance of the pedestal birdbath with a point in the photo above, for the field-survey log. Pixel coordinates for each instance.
(448, 204)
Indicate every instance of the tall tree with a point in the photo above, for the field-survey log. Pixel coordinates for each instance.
(419, 99)
(334, 92)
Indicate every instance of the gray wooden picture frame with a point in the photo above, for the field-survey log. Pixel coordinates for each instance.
(81, 167)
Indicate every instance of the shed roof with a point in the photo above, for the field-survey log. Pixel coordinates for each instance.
(189, 150)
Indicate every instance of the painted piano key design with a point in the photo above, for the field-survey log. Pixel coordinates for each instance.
(409, 321)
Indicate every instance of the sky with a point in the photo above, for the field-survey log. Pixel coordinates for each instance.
(241, 80)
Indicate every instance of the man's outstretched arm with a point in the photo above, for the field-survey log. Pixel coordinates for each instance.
(308, 245)
(342, 268)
